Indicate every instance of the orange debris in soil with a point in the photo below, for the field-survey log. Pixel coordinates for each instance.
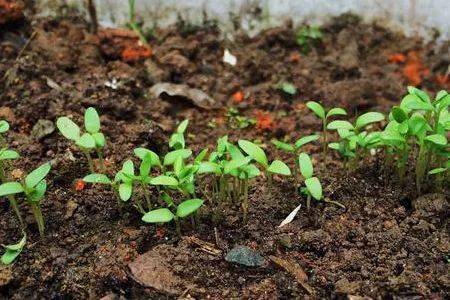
(414, 70)
(443, 80)
(238, 97)
(133, 53)
(397, 58)
(295, 57)
(263, 120)
(79, 185)
(160, 232)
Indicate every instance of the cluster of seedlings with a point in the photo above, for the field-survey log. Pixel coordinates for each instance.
(164, 188)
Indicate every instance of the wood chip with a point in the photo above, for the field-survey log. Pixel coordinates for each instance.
(295, 270)
(204, 246)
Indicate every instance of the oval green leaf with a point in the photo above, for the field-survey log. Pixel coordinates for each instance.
(279, 167)
(188, 207)
(125, 191)
(316, 108)
(314, 187)
(4, 126)
(91, 120)
(68, 128)
(305, 164)
(170, 157)
(305, 140)
(340, 124)
(10, 188)
(368, 118)
(97, 178)
(254, 151)
(32, 179)
(164, 180)
(161, 215)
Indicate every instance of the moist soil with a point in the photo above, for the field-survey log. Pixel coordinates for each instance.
(388, 242)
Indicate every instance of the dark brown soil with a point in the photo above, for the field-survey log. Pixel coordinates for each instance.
(387, 243)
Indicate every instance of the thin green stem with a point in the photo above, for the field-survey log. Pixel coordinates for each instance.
(90, 162)
(421, 166)
(38, 216)
(146, 195)
(101, 159)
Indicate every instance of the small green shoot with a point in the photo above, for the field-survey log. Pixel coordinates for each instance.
(307, 36)
(92, 139)
(13, 251)
(313, 187)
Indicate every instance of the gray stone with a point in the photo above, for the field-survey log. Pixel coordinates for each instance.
(245, 256)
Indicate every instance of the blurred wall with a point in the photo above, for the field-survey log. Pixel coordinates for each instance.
(412, 16)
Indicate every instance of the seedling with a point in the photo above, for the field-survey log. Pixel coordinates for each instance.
(7, 155)
(323, 115)
(34, 187)
(313, 187)
(177, 139)
(13, 251)
(236, 121)
(287, 88)
(93, 139)
(307, 36)
(352, 136)
(166, 215)
(133, 23)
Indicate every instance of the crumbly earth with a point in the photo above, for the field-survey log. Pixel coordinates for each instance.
(387, 243)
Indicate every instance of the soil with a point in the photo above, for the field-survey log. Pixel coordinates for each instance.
(387, 243)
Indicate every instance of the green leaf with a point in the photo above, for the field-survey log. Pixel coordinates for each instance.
(437, 171)
(417, 124)
(314, 187)
(250, 171)
(91, 120)
(305, 140)
(235, 164)
(68, 128)
(86, 141)
(128, 167)
(283, 146)
(288, 88)
(38, 192)
(10, 188)
(170, 157)
(234, 151)
(222, 144)
(340, 124)
(399, 114)
(4, 126)
(368, 118)
(317, 109)
(37, 175)
(413, 102)
(334, 146)
(209, 167)
(336, 111)
(8, 154)
(305, 164)
(164, 180)
(279, 167)
(188, 207)
(201, 156)
(182, 127)
(125, 191)
(97, 178)
(177, 141)
(437, 139)
(254, 151)
(161, 215)
(142, 153)
(441, 95)
(99, 139)
(12, 251)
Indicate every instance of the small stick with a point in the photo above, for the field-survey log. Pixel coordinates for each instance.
(93, 15)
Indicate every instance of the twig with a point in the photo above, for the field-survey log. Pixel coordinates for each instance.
(93, 15)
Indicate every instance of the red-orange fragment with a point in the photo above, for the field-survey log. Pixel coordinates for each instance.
(414, 69)
(238, 97)
(79, 185)
(443, 79)
(263, 120)
(397, 58)
(295, 57)
(135, 53)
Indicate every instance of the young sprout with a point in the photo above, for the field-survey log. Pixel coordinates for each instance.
(34, 187)
(133, 23)
(177, 139)
(307, 36)
(323, 115)
(235, 120)
(173, 212)
(258, 154)
(353, 136)
(93, 139)
(13, 251)
(7, 155)
(287, 88)
(313, 187)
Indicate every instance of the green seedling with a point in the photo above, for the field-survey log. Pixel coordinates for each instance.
(236, 121)
(33, 187)
(177, 140)
(13, 251)
(324, 116)
(313, 187)
(93, 139)
(166, 215)
(258, 154)
(287, 88)
(353, 138)
(133, 24)
(6, 155)
(307, 36)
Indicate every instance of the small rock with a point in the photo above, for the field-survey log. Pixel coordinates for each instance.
(70, 209)
(285, 240)
(42, 128)
(5, 275)
(344, 286)
(245, 256)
